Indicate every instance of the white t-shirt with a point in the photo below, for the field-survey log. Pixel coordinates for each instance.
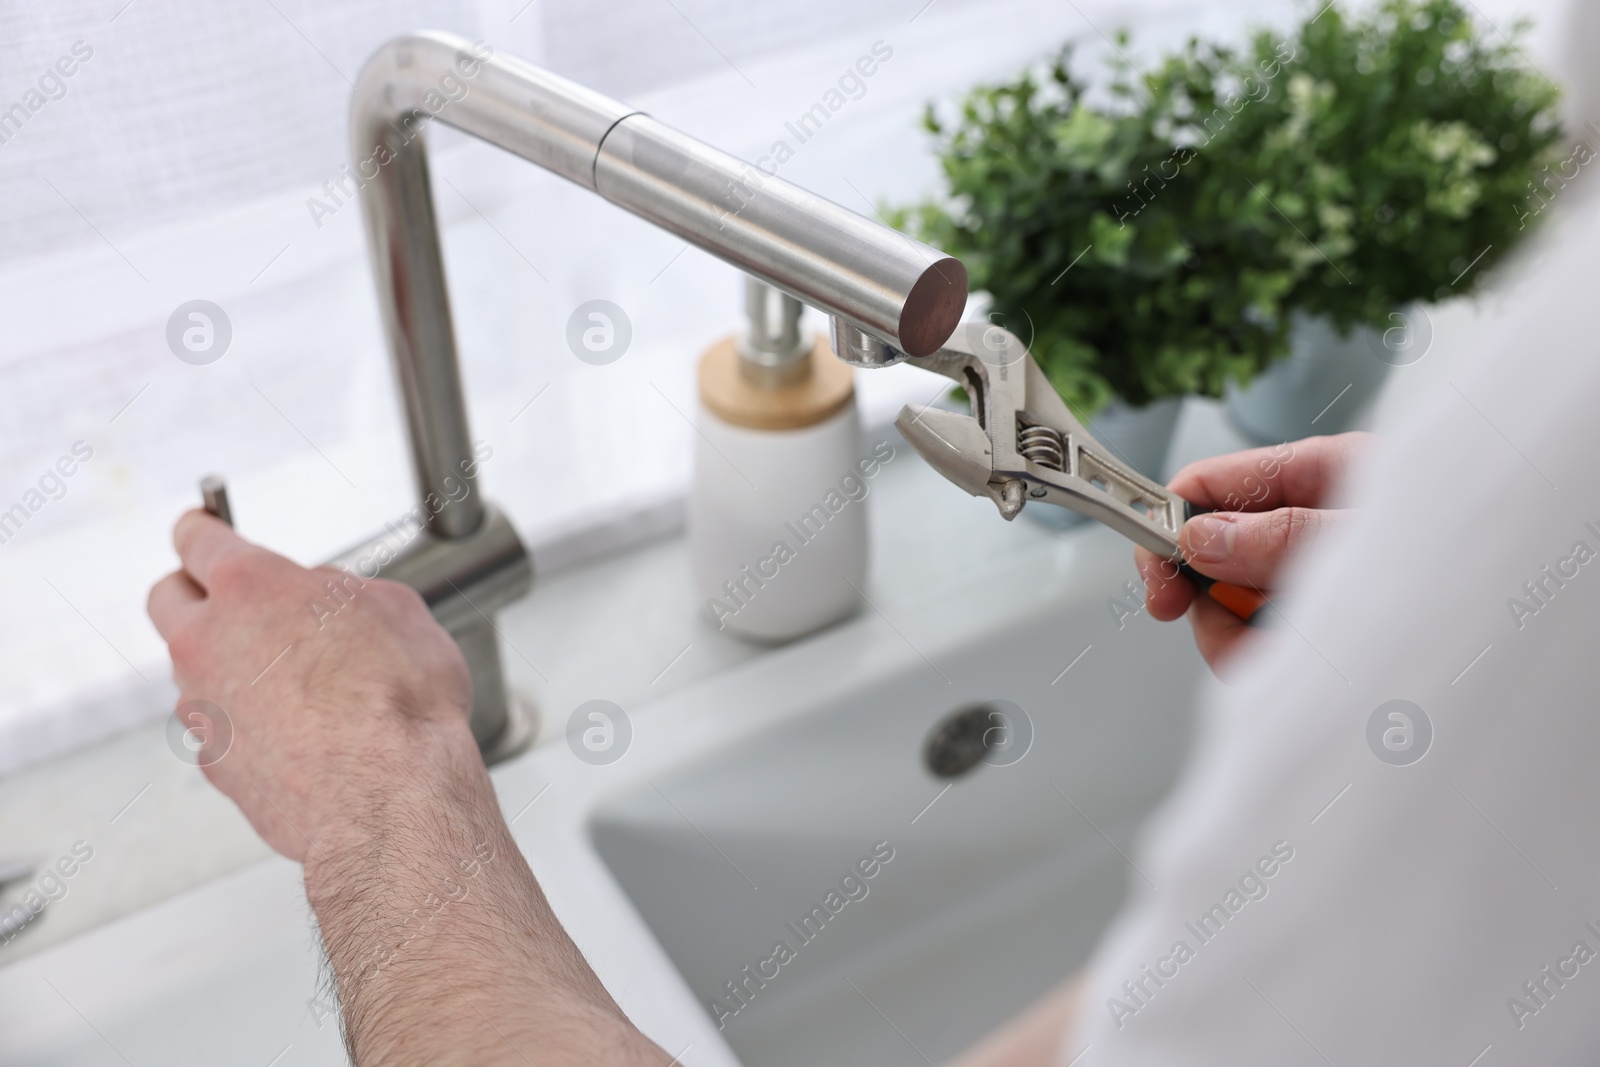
(1315, 903)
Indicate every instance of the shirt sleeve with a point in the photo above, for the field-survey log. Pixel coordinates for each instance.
(1385, 849)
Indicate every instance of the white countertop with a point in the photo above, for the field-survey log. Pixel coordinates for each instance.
(626, 628)
(177, 865)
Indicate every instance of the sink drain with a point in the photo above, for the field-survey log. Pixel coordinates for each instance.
(993, 731)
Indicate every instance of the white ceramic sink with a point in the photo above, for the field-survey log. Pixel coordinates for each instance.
(998, 886)
(742, 800)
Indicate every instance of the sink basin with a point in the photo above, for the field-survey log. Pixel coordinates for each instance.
(743, 800)
(1001, 880)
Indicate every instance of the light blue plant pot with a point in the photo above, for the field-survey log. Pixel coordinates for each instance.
(1327, 382)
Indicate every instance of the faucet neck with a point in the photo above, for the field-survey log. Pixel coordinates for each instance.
(903, 295)
(772, 352)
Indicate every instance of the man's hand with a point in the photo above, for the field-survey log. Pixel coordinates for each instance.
(336, 689)
(344, 740)
(1270, 504)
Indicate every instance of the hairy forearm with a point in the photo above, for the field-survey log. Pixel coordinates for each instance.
(354, 757)
(442, 944)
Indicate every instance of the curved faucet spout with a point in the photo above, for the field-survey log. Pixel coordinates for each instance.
(893, 297)
(903, 293)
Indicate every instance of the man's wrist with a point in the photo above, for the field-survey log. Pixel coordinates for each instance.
(423, 791)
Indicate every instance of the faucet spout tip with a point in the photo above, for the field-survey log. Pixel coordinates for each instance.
(934, 307)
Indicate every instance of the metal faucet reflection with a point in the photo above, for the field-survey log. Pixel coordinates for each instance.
(889, 296)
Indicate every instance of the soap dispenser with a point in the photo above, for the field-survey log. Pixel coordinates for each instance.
(777, 506)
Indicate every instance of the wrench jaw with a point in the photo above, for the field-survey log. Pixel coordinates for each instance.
(954, 445)
(1022, 443)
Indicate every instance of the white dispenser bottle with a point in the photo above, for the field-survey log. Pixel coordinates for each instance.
(777, 509)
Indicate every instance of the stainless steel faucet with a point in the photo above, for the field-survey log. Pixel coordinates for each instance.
(889, 296)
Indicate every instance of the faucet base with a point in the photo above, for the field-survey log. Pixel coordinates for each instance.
(464, 580)
(521, 730)
(504, 722)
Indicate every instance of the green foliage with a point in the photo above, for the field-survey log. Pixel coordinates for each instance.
(1153, 244)
(1402, 148)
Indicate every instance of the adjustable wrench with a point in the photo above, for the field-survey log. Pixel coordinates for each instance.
(1021, 443)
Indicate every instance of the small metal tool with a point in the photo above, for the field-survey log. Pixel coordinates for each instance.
(214, 493)
(1021, 444)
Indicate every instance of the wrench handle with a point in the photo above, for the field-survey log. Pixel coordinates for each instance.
(1245, 603)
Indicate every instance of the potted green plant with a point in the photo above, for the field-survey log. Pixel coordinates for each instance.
(1400, 149)
(1104, 240)
(1171, 238)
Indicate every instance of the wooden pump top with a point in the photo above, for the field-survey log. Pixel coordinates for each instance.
(731, 395)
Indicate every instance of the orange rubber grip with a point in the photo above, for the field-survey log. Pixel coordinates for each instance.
(1237, 599)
